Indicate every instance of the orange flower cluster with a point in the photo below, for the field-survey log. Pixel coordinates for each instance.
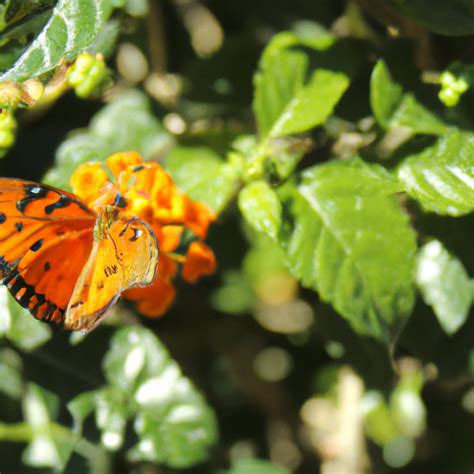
(151, 195)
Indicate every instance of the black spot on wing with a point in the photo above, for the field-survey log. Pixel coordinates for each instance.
(33, 192)
(62, 202)
(138, 168)
(25, 294)
(47, 267)
(37, 245)
(19, 226)
(3, 217)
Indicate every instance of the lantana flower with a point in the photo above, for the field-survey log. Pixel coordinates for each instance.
(149, 193)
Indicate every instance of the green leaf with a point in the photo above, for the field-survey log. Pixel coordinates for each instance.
(130, 111)
(453, 18)
(203, 175)
(441, 177)
(444, 285)
(73, 25)
(174, 424)
(256, 466)
(261, 208)
(48, 447)
(283, 103)
(394, 108)
(312, 104)
(19, 326)
(351, 241)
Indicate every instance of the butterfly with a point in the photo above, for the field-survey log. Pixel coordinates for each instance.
(66, 264)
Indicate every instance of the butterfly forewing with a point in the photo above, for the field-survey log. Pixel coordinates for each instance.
(45, 241)
(124, 255)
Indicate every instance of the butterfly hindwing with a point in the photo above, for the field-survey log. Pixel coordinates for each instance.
(45, 241)
(124, 255)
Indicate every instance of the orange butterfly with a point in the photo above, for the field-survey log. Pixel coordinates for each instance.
(64, 263)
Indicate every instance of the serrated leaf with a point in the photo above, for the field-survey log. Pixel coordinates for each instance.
(394, 108)
(441, 177)
(73, 25)
(48, 447)
(444, 285)
(261, 208)
(351, 241)
(203, 175)
(131, 112)
(312, 104)
(283, 103)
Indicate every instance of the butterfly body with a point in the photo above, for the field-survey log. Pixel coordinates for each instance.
(65, 263)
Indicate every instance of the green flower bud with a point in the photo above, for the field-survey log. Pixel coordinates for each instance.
(89, 76)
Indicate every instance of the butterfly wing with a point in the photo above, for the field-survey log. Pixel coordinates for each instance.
(124, 255)
(45, 241)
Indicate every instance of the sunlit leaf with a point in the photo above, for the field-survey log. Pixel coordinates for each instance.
(72, 26)
(441, 177)
(394, 108)
(203, 175)
(312, 104)
(350, 240)
(444, 285)
(282, 73)
(261, 208)
(285, 101)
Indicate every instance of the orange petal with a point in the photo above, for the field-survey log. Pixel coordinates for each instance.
(170, 237)
(154, 300)
(198, 218)
(87, 180)
(200, 260)
(118, 162)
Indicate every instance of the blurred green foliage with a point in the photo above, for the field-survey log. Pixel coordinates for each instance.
(334, 141)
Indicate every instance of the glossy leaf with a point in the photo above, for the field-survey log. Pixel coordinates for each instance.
(312, 104)
(283, 102)
(441, 177)
(131, 112)
(444, 285)
(203, 175)
(394, 108)
(73, 25)
(261, 208)
(351, 241)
